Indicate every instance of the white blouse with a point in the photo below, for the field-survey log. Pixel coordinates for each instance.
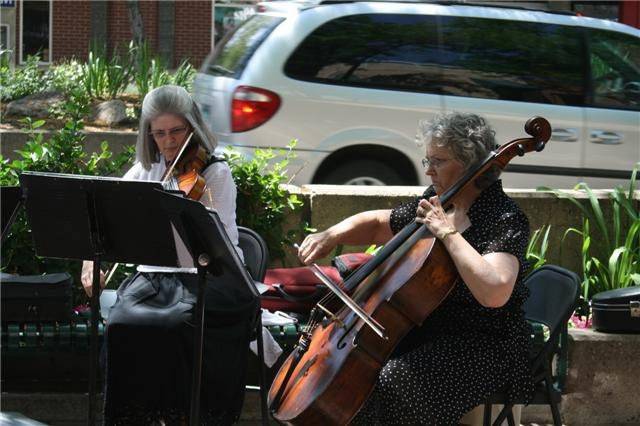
(220, 196)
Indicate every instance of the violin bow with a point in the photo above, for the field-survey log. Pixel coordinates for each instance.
(110, 273)
(168, 172)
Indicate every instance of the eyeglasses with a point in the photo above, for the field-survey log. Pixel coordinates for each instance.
(161, 134)
(436, 163)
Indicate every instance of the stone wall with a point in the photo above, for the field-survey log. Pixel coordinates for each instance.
(602, 382)
(601, 389)
(329, 204)
(15, 139)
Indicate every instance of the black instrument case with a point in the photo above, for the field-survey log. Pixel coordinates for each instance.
(36, 297)
(617, 311)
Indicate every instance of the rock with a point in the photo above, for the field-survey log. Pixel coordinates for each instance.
(110, 113)
(36, 105)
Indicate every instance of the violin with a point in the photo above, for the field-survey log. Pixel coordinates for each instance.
(334, 367)
(187, 168)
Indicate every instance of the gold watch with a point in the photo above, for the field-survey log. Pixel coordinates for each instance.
(443, 236)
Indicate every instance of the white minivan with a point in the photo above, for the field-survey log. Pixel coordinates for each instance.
(351, 80)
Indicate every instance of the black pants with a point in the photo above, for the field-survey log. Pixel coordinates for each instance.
(149, 349)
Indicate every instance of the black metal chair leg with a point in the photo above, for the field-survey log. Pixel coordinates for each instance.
(263, 376)
(486, 418)
(510, 418)
(555, 411)
(504, 413)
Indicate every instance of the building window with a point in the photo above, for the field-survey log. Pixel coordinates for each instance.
(4, 37)
(597, 9)
(35, 30)
(228, 14)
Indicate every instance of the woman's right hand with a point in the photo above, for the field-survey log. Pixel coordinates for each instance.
(317, 246)
(86, 277)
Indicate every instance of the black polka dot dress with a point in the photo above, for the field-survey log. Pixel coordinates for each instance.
(463, 351)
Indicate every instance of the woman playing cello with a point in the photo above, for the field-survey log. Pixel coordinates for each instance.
(477, 341)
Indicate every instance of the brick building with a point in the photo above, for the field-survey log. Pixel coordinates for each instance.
(60, 29)
(176, 29)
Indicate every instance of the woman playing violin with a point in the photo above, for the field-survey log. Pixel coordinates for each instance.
(149, 336)
(477, 341)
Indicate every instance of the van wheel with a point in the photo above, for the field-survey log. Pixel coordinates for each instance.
(363, 172)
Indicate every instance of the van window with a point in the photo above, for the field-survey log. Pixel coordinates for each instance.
(512, 60)
(383, 51)
(615, 70)
(481, 58)
(233, 53)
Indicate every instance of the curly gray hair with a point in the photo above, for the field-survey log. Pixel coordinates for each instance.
(468, 137)
(174, 100)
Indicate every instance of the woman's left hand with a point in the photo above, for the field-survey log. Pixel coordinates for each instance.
(431, 213)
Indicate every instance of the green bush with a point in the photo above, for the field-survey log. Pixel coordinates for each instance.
(62, 153)
(65, 77)
(262, 203)
(22, 81)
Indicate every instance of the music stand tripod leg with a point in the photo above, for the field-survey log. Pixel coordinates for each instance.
(196, 378)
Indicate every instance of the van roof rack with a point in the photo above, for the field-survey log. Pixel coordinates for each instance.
(455, 3)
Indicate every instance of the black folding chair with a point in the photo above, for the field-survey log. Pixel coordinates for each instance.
(554, 293)
(256, 258)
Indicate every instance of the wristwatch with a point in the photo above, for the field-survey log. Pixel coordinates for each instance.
(443, 236)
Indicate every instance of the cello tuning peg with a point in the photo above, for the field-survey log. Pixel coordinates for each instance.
(520, 149)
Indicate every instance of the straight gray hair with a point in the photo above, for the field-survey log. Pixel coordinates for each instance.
(174, 100)
(468, 137)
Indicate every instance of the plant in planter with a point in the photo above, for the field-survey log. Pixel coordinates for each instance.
(150, 70)
(105, 78)
(536, 253)
(610, 249)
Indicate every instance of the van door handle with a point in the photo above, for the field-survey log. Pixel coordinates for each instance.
(564, 135)
(605, 137)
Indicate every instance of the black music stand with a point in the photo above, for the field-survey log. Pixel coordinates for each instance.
(86, 217)
(102, 219)
(10, 200)
(213, 252)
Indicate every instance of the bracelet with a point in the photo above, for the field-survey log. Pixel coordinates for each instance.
(445, 234)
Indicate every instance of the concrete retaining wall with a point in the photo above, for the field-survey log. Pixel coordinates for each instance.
(13, 140)
(601, 389)
(329, 204)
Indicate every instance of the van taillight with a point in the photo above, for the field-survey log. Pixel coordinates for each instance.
(252, 107)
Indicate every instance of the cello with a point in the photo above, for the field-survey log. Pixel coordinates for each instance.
(333, 369)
